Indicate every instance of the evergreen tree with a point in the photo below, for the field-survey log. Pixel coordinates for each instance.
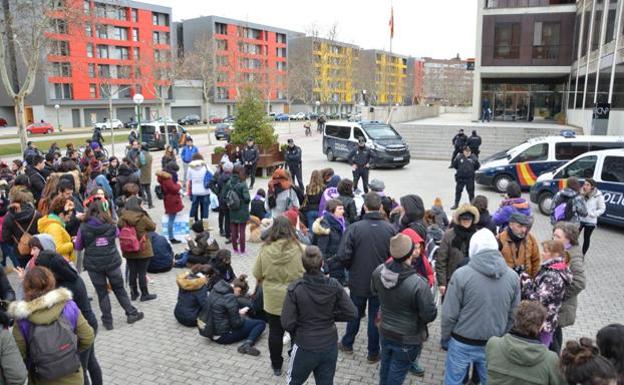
(251, 120)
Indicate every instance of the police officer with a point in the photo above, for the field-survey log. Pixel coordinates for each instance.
(459, 142)
(465, 165)
(474, 142)
(360, 158)
(293, 161)
(250, 156)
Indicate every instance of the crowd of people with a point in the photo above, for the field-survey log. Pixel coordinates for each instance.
(502, 296)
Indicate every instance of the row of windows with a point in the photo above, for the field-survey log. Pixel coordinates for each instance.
(577, 89)
(546, 40)
(563, 150)
(112, 52)
(249, 33)
(110, 11)
(593, 42)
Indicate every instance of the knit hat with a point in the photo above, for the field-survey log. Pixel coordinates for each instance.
(376, 185)
(520, 218)
(292, 214)
(401, 247)
(228, 166)
(198, 227)
(483, 239)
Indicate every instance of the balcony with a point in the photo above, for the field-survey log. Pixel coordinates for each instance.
(548, 52)
(494, 4)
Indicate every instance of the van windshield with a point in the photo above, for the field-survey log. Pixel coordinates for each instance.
(380, 131)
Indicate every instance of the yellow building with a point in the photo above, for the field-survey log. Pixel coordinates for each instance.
(390, 76)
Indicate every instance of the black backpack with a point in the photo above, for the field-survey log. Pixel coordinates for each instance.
(205, 324)
(232, 199)
(159, 192)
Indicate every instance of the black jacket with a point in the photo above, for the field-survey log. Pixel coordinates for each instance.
(312, 202)
(224, 307)
(406, 303)
(37, 181)
(257, 209)
(222, 180)
(364, 246)
(312, 306)
(474, 142)
(465, 167)
(47, 170)
(6, 291)
(27, 216)
(486, 222)
(192, 294)
(350, 210)
(327, 233)
(125, 175)
(293, 156)
(100, 251)
(250, 154)
(360, 156)
(459, 141)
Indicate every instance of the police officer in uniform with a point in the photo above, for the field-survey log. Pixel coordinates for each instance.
(459, 142)
(465, 165)
(250, 158)
(293, 161)
(360, 158)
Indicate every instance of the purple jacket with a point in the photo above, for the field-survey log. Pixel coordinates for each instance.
(508, 207)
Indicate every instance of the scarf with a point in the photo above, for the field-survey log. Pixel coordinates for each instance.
(462, 237)
(340, 220)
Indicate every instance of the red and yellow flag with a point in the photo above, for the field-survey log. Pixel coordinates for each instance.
(391, 22)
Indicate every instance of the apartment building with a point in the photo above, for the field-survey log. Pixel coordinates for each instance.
(415, 87)
(447, 82)
(382, 76)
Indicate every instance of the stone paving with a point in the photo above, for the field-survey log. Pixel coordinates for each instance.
(158, 350)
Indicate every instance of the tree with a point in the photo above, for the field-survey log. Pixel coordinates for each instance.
(251, 119)
(200, 64)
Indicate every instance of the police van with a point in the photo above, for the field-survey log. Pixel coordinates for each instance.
(387, 147)
(527, 161)
(607, 169)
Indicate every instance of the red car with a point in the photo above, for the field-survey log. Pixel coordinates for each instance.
(40, 128)
(215, 120)
(3, 122)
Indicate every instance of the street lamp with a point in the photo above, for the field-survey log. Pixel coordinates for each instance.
(138, 100)
(364, 97)
(58, 120)
(318, 107)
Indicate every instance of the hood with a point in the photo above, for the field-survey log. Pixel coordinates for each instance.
(131, 217)
(318, 228)
(46, 241)
(333, 181)
(517, 203)
(466, 208)
(559, 266)
(488, 262)
(413, 235)
(189, 282)
(393, 273)
(45, 304)
(163, 174)
(568, 193)
(318, 290)
(222, 288)
(45, 222)
(282, 251)
(413, 206)
(523, 351)
(25, 214)
(197, 163)
(482, 240)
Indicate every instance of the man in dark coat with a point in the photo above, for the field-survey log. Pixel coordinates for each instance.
(293, 161)
(37, 180)
(465, 165)
(474, 142)
(360, 158)
(459, 142)
(250, 158)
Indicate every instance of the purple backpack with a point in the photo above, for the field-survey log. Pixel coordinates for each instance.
(329, 194)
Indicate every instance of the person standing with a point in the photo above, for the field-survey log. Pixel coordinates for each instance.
(595, 202)
(250, 157)
(312, 306)
(519, 247)
(282, 195)
(465, 165)
(168, 180)
(187, 153)
(474, 142)
(459, 142)
(197, 176)
(239, 208)
(485, 110)
(21, 218)
(407, 307)
(513, 202)
(145, 166)
(568, 204)
(293, 161)
(33, 171)
(328, 231)
(222, 177)
(479, 304)
(313, 193)
(365, 246)
(360, 158)
(60, 213)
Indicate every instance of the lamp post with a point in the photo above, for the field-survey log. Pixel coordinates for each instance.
(138, 100)
(58, 119)
(318, 107)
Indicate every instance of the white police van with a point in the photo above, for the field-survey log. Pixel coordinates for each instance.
(605, 167)
(525, 162)
(387, 147)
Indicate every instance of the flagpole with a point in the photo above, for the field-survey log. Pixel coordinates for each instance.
(392, 20)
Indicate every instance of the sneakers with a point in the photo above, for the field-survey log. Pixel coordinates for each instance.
(134, 295)
(109, 327)
(345, 349)
(132, 318)
(247, 348)
(373, 359)
(416, 370)
(148, 297)
(174, 241)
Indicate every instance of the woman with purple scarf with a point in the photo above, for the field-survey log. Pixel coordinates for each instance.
(328, 231)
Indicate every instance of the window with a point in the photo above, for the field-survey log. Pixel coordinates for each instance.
(102, 31)
(124, 91)
(160, 37)
(338, 131)
(617, 100)
(121, 53)
(120, 33)
(222, 45)
(91, 70)
(135, 16)
(135, 53)
(62, 91)
(160, 19)
(585, 36)
(597, 27)
(86, 6)
(220, 28)
(59, 26)
(605, 146)
(60, 48)
(357, 133)
(570, 150)
(102, 51)
(89, 50)
(135, 34)
(221, 77)
(609, 35)
(222, 93)
(104, 71)
(533, 153)
(122, 13)
(581, 168)
(506, 40)
(62, 69)
(546, 40)
(613, 169)
(280, 52)
(222, 60)
(100, 10)
(280, 65)
(92, 90)
(280, 38)
(88, 30)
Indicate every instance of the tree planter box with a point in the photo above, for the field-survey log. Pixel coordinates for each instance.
(270, 157)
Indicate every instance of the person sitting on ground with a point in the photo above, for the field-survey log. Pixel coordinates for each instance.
(519, 357)
(257, 205)
(241, 290)
(192, 294)
(512, 203)
(582, 364)
(162, 261)
(201, 250)
(610, 340)
(222, 263)
(518, 246)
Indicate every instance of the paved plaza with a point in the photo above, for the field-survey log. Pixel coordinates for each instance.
(158, 350)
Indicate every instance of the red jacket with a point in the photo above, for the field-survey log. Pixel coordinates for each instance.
(171, 192)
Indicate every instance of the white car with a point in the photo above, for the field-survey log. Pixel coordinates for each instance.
(298, 116)
(115, 124)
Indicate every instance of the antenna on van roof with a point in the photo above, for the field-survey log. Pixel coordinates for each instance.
(568, 133)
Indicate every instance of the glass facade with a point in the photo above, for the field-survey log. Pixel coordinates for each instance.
(526, 100)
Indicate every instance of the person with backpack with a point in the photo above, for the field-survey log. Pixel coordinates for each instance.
(282, 195)
(53, 224)
(595, 202)
(168, 180)
(96, 236)
(50, 330)
(568, 205)
(12, 367)
(250, 155)
(20, 224)
(222, 177)
(136, 246)
(187, 153)
(519, 247)
(145, 166)
(237, 200)
(198, 178)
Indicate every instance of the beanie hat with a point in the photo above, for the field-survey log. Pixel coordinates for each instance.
(401, 247)
(292, 215)
(228, 166)
(483, 239)
(198, 227)
(376, 185)
(520, 218)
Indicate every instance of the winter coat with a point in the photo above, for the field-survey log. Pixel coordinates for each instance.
(195, 174)
(567, 313)
(203, 249)
(328, 233)
(187, 153)
(311, 202)
(222, 180)
(143, 224)
(595, 204)
(126, 175)
(284, 200)
(257, 208)
(486, 222)
(548, 288)
(225, 316)
(98, 241)
(27, 218)
(508, 207)
(413, 214)
(146, 168)
(12, 368)
(525, 257)
(350, 211)
(240, 215)
(459, 141)
(250, 155)
(365, 245)
(192, 294)
(514, 359)
(441, 219)
(37, 181)
(6, 291)
(465, 167)
(406, 303)
(277, 266)
(360, 156)
(162, 260)
(579, 208)
(171, 192)
(45, 310)
(474, 142)
(54, 226)
(312, 306)
(293, 156)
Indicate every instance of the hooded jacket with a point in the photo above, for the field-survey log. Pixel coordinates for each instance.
(441, 219)
(225, 316)
(162, 261)
(579, 208)
(312, 307)
(595, 204)
(278, 265)
(421, 264)
(195, 174)
(414, 212)
(481, 297)
(523, 255)
(54, 226)
(143, 225)
(37, 181)
(27, 218)
(125, 175)
(514, 359)
(192, 293)
(509, 206)
(406, 303)
(171, 192)
(98, 240)
(567, 313)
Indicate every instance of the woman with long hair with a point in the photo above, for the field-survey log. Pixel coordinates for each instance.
(48, 193)
(282, 196)
(313, 193)
(171, 186)
(278, 264)
(168, 156)
(238, 215)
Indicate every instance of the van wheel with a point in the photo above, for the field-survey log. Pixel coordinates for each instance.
(330, 155)
(544, 202)
(501, 182)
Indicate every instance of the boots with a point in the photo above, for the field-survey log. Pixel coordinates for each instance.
(146, 296)
(134, 293)
(247, 348)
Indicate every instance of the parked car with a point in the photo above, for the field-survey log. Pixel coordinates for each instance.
(281, 117)
(298, 116)
(190, 120)
(107, 125)
(229, 119)
(312, 115)
(131, 123)
(333, 115)
(355, 117)
(222, 131)
(3, 122)
(215, 120)
(40, 128)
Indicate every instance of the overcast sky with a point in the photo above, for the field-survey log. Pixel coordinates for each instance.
(435, 28)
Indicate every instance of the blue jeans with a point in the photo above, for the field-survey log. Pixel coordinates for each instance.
(303, 362)
(458, 360)
(311, 217)
(170, 225)
(204, 202)
(251, 330)
(8, 250)
(396, 360)
(353, 327)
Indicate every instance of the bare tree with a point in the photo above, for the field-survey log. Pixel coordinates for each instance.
(301, 73)
(200, 63)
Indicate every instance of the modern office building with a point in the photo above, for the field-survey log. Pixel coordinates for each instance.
(383, 76)
(447, 82)
(112, 53)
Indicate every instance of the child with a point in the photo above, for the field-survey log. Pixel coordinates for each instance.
(257, 205)
(222, 263)
(192, 294)
(439, 214)
(549, 285)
